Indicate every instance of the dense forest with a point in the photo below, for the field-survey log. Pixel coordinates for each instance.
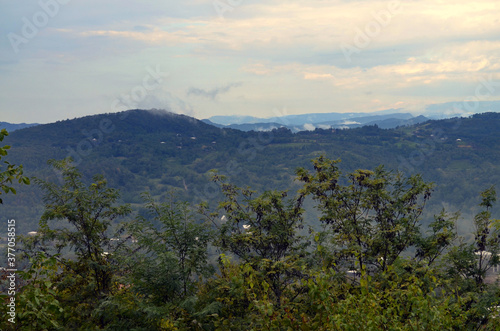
(162, 222)
(143, 151)
(244, 264)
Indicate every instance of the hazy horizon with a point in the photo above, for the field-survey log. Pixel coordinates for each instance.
(64, 59)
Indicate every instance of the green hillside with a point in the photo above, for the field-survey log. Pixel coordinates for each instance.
(377, 252)
(155, 151)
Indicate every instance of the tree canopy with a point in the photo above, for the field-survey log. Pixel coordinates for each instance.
(249, 262)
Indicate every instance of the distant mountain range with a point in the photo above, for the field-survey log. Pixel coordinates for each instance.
(309, 122)
(460, 109)
(386, 119)
(296, 119)
(13, 127)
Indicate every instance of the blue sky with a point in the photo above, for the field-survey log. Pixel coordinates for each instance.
(62, 59)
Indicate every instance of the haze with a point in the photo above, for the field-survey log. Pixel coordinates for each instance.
(65, 59)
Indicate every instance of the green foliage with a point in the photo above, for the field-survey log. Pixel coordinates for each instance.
(36, 300)
(11, 173)
(469, 265)
(154, 274)
(174, 250)
(374, 217)
(441, 237)
(262, 232)
(474, 260)
(133, 158)
(396, 300)
(240, 297)
(127, 310)
(39, 307)
(162, 270)
(88, 212)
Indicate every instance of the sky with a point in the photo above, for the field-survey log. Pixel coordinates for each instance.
(61, 59)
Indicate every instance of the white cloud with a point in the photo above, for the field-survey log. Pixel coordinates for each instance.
(349, 122)
(317, 76)
(309, 127)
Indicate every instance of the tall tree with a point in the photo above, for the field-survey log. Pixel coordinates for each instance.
(373, 216)
(473, 260)
(262, 231)
(87, 213)
(171, 251)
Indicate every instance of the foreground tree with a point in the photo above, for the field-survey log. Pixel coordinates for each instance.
(263, 233)
(162, 269)
(372, 216)
(267, 279)
(87, 213)
(487, 236)
(473, 260)
(469, 265)
(173, 248)
(395, 300)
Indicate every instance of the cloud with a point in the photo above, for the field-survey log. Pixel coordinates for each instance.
(212, 93)
(309, 127)
(317, 76)
(164, 99)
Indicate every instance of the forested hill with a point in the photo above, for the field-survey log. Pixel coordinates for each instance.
(157, 151)
(81, 136)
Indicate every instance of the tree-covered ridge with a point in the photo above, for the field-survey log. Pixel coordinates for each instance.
(141, 151)
(372, 266)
